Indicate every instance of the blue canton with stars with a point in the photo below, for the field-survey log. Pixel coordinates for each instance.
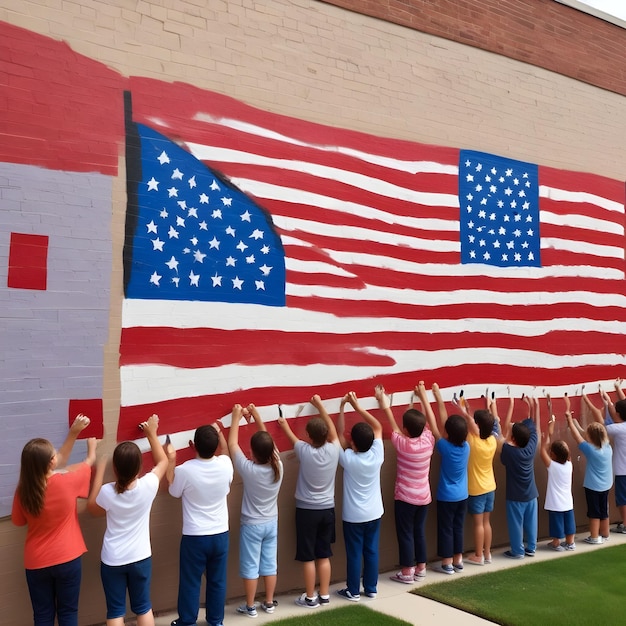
(499, 211)
(197, 237)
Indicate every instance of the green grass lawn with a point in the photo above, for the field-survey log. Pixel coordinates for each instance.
(354, 615)
(576, 590)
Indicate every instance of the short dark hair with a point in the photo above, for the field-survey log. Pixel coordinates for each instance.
(456, 429)
(413, 422)
(520, 434)
(560, 451)
(362, 435)
(485, 421)
(206, 441)
(317, 429)
(620, 409)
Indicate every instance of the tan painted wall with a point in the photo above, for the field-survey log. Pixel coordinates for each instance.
(318, 62)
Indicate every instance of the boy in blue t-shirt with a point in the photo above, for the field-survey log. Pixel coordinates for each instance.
(518, 458)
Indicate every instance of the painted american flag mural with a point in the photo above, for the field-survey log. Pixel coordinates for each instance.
(268, 258)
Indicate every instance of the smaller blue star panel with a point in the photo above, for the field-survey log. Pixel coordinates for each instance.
(198, 237)
(499, 211)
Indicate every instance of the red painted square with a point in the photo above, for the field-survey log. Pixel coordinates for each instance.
(28, 261)
(93, 410)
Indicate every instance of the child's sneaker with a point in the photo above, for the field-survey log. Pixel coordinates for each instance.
(528, 552)
(244, 609)
(569, 546)
(605, 538)
(399, 577)
(323, 600)
(458, 567)
(419, 574)
(445, 569)
(620, 529)
(593, 540)
(509, 554)
(557, 548)
(370, 594)
(269, 607)
(345, 593)
(309, 603)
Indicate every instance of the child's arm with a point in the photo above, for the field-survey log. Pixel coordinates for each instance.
(464, 410)
(595, 411)
(545, 449)
(316, 401)
(170, 451)
(223, 444)
(608, 405)
(233, 435)
(366, 415)
(341, 422)
(95, 509)
(282, 422)
(150, 427)
(258, 420)
(618, 388)
(506, 427)
(441, 408)
(78, 425)
(385, 405)
(570, 422)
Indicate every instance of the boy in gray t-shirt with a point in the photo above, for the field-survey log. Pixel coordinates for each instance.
(315, 502)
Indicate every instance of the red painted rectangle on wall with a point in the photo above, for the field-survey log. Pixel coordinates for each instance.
(92, 408)
(28, 261)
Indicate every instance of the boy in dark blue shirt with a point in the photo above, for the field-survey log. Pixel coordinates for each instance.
(518, 457)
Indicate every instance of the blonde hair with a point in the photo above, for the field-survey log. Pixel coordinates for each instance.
(597, 434)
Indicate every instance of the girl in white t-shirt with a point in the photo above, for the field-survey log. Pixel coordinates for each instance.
(559, 501)
(126, 558)
(262, 477)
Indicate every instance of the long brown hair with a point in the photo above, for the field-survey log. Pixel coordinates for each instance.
(126, 464)
(31, 488)
(264, 450)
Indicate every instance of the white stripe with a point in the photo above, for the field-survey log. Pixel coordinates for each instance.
(315, 267)
(561, 195)
(585, 222)
(582, 247)
(412, 167)
(225, 316)
(144, 384)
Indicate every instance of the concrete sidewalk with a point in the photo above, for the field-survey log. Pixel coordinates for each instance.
(394, 598)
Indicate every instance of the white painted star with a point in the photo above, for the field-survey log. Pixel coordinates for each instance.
(176, 280)
(241, 246)
(193, 212)
(259, 285)
(217, 280)
(172, 192)
(204, 199)
(163, 158)
(199, 256)
(194, 279)
(265, 249)
(194, 241)
(227, 201)
(245, 217)
(192, 182)
(180, 221)
(155, 278)
(256, 234)
(215, 186)
(250, 259)
(172, 233)
(172, 264)
(230, 261)
(153, 184)
(203, 225)
(230, 231)
(157, 244)
(177, 174)
(163, 213)
(152, 227)
(214, 243)
(265, 269)
(237, 282)
(217, 214)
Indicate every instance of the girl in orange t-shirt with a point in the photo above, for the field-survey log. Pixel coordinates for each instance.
(45, 502)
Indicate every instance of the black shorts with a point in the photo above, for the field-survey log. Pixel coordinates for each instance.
(315, 531)
(597, 504)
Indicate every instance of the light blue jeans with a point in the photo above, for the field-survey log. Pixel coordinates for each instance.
(521, 518)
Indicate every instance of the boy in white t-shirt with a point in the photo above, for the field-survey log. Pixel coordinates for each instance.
(559, 501)
(203, 484)
(362, 499)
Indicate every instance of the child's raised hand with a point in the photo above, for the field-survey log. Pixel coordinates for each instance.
(151, 425)
(79, 424)
(316, 401)
(381, 397)
(352, 399)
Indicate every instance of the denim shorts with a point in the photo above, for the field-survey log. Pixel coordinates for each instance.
(620, 490)
(476, 505)
(561, 523)
(258, 545)
(136, 578)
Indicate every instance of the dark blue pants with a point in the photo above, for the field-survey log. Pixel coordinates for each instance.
(450, 523)
(361, 548)
(54, 592)
(206, 554)
(411, 532)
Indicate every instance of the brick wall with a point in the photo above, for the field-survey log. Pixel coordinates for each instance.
(541, 32)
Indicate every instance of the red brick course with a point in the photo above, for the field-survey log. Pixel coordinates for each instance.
(544, 33)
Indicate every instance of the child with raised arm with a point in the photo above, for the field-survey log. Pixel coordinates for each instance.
(45, 502)
(598, 475)
(126, 560)
(518, 458)
(414, 444)
(203, 484)
(262, 477)
(617, 434)
(315, 502)
(452, 490)
(362, 499)
(559, 501)
(481, 479)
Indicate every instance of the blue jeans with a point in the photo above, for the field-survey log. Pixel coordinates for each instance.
(205, 554)
(361, 547)
(450, 522)
(411, 532)
(521, 518)
(54, 592)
